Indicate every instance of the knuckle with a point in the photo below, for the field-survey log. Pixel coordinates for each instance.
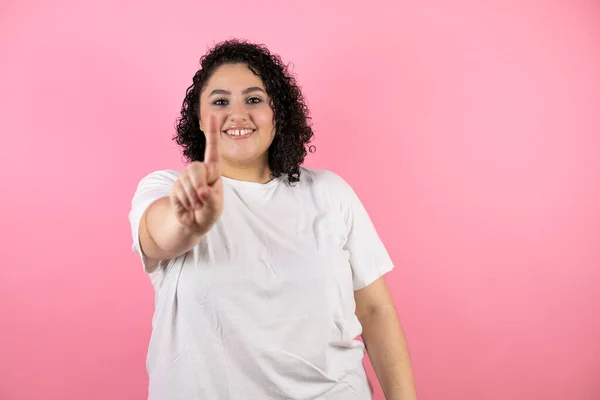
(182, 195)
(195, 167)
(183, 178)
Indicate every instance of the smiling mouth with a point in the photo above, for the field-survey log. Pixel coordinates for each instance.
(239, 132)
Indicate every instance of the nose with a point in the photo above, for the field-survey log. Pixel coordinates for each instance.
(238, 113)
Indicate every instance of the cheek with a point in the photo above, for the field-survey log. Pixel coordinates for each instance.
(265, 118)
(204, 113)
(203, 108)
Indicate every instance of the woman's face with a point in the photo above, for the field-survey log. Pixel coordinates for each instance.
(240, 103)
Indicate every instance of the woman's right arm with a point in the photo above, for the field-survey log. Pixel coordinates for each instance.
(171, 226)
(162, 236)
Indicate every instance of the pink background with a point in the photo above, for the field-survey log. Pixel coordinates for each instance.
(471, 132)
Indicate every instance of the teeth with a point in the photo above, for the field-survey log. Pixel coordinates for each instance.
(238, 132)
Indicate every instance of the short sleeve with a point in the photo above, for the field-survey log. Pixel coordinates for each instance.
(152, 187)
(369, 258)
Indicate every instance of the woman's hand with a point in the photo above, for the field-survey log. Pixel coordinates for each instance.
(197, 196)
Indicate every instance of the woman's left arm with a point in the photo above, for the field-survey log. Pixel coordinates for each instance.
(384, 341)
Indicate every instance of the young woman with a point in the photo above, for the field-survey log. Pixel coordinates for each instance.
(265, 272)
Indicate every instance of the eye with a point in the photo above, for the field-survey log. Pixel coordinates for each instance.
(220, 102)
(254, 100)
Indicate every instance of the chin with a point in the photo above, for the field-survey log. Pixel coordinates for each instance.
(242, 158)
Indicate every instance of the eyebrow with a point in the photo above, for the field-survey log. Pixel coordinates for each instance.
(245, 91)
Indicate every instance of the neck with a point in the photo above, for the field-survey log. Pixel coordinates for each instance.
(260, 173)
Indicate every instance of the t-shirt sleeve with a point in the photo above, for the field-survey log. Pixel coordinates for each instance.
(369, 258)
(152, 187)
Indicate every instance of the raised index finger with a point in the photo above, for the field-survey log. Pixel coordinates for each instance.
(212, 152)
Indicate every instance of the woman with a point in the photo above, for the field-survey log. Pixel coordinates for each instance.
(265, 272)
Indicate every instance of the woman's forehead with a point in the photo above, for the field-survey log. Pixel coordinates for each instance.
(234, 77)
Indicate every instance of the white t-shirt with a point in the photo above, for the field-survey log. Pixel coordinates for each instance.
(263, 307)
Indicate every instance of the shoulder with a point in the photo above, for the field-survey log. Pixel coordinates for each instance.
(171, 174)
(325, 179)
(328, 184)
(162, 175)
(314, 176)
(159, 180)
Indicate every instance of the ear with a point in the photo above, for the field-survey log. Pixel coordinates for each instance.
(200, 124)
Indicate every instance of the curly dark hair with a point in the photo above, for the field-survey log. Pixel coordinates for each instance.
(293, 132)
